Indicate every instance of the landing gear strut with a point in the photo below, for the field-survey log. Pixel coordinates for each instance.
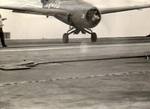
(66, 35)
(93, 35)
(77, 31)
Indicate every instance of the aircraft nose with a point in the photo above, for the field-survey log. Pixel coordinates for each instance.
(93, 17)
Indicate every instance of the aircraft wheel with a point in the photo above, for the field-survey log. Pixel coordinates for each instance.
(93, 37)
(65, 38)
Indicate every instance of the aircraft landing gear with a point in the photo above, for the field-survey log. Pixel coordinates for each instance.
(77, 31)
(93, 35)
(66, 35)
(66, 38)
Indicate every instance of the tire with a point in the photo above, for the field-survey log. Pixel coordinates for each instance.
(65, 38)
(93, 37)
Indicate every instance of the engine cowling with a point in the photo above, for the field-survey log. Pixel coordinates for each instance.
(86, 18)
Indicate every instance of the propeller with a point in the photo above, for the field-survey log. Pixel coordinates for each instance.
(96, 16)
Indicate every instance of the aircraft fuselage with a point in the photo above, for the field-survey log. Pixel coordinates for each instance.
(83, 15)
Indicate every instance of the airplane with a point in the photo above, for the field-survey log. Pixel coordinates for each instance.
(81, 16)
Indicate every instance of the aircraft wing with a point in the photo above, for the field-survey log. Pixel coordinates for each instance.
(125, 8)
(36, 10)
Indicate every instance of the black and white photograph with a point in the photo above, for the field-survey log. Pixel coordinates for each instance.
(74, 54)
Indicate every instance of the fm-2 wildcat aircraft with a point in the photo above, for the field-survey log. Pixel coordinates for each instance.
(78, 14)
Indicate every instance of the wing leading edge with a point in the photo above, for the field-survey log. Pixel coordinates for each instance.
(36, 10)
(125, 8)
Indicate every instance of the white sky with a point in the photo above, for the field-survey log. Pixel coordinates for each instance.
(26, 26)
